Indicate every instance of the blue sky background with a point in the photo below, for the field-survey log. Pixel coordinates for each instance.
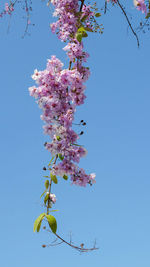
(116, 211)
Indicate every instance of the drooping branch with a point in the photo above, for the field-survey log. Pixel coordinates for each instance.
(79, 248)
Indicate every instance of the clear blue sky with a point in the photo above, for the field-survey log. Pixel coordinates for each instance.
(116, 210)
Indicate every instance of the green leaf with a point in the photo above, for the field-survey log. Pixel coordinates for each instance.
(47, 184)
(78, 14)
(58, 138)
(52, 223)
(51, 161)
(84, 18)
(88, 29)
(65, 177)
(79, 37)
(54, 210)
(46, 176)
(84, 34)
(43, 193)
(77, 145)
(54, 178)
(148, 15)
(38, 221)
(46, 198)
(39, 226)
(97, 15)
(60, 156)
(81, 29)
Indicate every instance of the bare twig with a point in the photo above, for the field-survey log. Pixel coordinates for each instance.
(129, 23)
(105, 8)
(27, 19)
(80, 248)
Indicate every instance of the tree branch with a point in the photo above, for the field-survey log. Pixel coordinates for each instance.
(82, 3)
(129, 23)
(80, 248)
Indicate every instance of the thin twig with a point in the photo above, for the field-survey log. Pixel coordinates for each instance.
(79, 248)
(50, 186)
(27, 19)
(129, 23)
(105, 8)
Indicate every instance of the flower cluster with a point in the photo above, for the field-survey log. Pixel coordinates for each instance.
(60, 91)
(67, 22)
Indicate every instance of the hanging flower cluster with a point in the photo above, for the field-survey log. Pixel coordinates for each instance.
(60, 91)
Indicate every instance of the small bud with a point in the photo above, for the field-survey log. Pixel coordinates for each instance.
(44, 227)
(45, 143)
(43, 246)
(84, 123)
(81, 133)
(44, 168)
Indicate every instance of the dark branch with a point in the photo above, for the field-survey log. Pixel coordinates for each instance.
(129, 23)
(82, 3)
(105, 8)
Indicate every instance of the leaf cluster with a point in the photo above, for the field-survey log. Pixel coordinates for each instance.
(50, 219)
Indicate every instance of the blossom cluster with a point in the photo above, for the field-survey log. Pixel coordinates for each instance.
(67, 21)
(60, 91)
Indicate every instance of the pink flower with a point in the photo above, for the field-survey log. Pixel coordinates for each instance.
(92, 177)
(53, 198)
(140, 5)
(9, 8)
